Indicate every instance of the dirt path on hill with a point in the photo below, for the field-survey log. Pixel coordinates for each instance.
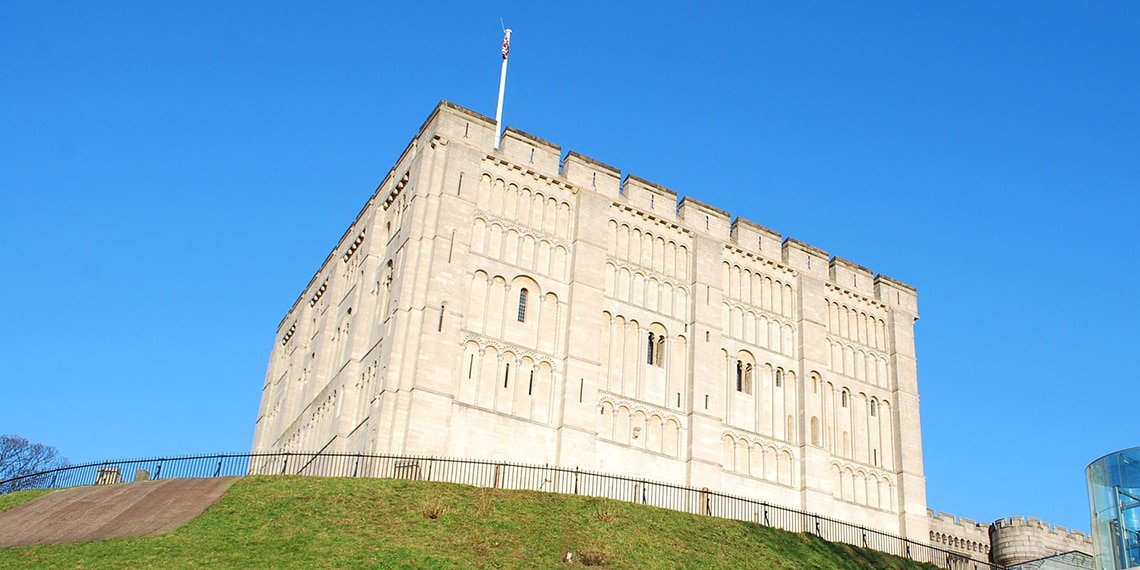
(110, 511)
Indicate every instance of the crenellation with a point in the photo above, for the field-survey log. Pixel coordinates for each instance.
(896, 294)
(1020, 539)
(458, 123)
(803, 257)
(753, 237)
(536, 153)
(704, 218)
(851, 275)
(585, 172)
(650, 197)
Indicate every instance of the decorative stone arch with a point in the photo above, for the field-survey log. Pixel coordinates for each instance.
(745, 373)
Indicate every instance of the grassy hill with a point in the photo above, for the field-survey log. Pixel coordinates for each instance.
(309, 522)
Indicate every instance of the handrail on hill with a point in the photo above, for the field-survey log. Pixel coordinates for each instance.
(498, 475)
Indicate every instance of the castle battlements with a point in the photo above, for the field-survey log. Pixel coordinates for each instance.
(1010, 523)
(581, 172)
(1007, 541)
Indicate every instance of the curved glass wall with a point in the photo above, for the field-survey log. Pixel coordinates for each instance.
(1114, 496)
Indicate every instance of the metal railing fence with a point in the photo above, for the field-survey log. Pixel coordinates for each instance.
(498, 475)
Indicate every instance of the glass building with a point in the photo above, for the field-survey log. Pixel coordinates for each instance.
(1114, 496)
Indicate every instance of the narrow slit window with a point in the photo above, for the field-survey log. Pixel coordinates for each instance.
(530, 384)
(522, 305)
(506, 375)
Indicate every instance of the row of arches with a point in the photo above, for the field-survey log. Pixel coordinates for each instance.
(856, 325)
(318, 427)
(757, 289)
(528, 207)
(647, 292)
(366, 389)
(523, 249)
(862, 487)
(760, 398)
(853, 425)
(942, 539)
(656, 252)
(651, 431)
(516, 311)
(642, 361)
(855, 362)
(758, 459)
(758, 329)
(498, 378)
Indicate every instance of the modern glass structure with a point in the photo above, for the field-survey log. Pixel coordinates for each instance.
(1114, 496)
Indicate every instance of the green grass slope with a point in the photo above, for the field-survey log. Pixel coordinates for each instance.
(12, 499)
(309, 522)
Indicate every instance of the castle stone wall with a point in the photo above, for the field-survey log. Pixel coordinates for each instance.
(528, 305)
(1020, 539)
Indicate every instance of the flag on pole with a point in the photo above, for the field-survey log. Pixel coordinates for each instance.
(506, 43)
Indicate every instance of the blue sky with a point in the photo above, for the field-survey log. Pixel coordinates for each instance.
(173, 175)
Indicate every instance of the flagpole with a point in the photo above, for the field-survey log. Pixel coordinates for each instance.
(502, 87)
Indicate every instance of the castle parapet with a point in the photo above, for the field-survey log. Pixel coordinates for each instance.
(959, 534)
(1020, 539)
(851, 275)
(586, 172)
(805, 257)
(649, 197)
(751, 236)
(530, 151)
(705, 218)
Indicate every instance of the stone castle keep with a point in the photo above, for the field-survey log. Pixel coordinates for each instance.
(520, 305)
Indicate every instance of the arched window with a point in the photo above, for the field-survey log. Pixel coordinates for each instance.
(779, 377)
(748, 378)
(874, 408)
(522, 305)
(660, 350)
(649, 349)
(739, 376)
(843, 399)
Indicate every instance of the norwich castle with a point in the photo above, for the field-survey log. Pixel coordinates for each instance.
(520, 305)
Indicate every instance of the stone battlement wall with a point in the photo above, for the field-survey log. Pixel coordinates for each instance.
(960, 534)
(1019, 539)
(582, 172)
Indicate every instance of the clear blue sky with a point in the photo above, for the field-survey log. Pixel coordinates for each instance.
(174, 173)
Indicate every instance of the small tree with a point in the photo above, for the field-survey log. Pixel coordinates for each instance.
(20, 458)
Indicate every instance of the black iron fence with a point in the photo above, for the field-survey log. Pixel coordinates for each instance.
(499, 475)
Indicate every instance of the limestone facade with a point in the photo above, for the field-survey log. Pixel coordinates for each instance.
(516, 304)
